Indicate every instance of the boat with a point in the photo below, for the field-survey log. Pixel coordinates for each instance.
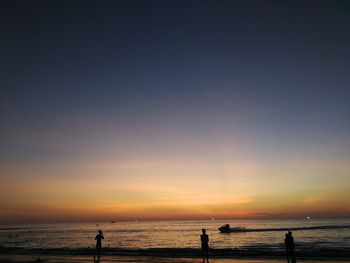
(227, 229)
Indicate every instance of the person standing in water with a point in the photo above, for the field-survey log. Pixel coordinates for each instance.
(98, 239)
(287, 247)
(205, 245)
(290, 247)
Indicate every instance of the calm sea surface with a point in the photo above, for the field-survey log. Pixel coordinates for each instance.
(173, 234)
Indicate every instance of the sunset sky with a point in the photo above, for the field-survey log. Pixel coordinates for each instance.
(123, 110)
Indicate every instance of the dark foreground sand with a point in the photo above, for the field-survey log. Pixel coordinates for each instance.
(141, 259)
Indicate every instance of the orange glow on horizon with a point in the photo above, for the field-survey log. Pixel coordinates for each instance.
(89, 191)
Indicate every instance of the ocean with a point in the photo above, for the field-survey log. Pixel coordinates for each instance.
(179, 238)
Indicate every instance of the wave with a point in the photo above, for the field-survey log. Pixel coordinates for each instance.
(225, 229)
(11, 228)
(257, 251)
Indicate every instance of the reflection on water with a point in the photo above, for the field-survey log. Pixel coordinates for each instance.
(171, 234)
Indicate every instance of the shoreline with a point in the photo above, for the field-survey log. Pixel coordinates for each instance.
(145, 259)
(235, 253)
(155, 255)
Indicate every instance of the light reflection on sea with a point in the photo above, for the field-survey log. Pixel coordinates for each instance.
(172, 234)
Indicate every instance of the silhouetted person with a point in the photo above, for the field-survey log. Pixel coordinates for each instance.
(289, 242)
(205, 245)
(287, 248)
(98, 239)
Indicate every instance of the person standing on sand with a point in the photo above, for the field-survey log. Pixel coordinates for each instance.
(98, 239)
(205, 245)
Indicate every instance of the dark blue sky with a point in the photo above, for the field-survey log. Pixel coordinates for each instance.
(277, 68)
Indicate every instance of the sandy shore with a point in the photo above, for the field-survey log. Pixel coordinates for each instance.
(141, 259)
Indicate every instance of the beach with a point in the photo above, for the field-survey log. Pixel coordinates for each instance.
(142, 259)
(164, 131)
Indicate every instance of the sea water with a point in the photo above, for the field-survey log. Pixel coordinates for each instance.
(140, 235)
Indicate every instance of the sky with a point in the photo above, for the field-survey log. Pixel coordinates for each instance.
(151, 110)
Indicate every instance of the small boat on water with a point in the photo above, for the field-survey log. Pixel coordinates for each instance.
(227, 229)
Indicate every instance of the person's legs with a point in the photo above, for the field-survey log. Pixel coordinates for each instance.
(98, 251)
(292, 256)
(288, 258)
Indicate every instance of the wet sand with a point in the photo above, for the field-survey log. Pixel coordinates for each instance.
(141, 259)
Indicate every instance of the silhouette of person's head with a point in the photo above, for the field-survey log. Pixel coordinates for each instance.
(290, 233)
(203, 230)
(100, 232)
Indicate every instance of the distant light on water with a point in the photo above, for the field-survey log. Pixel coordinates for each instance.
(126, 235)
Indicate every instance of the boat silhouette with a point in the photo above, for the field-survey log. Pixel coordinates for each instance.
(227, 229)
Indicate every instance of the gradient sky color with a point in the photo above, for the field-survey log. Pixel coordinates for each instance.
(119, 110)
